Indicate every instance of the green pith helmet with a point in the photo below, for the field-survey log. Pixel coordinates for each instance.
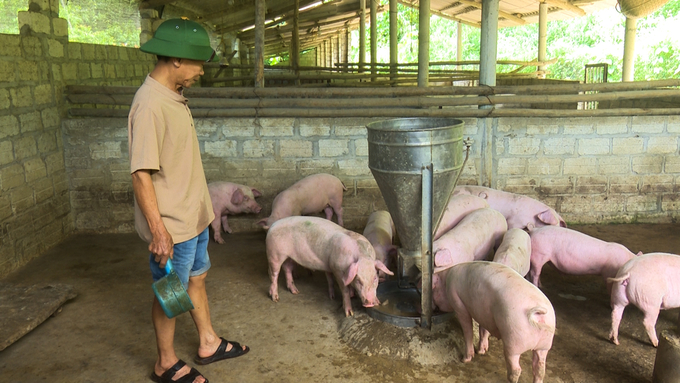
(180, 38)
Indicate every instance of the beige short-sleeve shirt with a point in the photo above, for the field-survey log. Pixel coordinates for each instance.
(162, 138)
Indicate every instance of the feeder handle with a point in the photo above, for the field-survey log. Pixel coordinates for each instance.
(168, 267)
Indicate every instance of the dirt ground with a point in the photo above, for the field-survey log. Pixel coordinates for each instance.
(105, 333)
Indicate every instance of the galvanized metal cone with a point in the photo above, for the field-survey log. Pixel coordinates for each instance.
(397, 152)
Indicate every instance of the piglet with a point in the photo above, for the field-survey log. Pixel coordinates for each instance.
(458, 207)
(320, 244)
(519, 210)
(575, 253)
(379, 231)
(472, 239)
(515, 251)
(312, 194)
(230, 198)
(505, 305)
(650, 282)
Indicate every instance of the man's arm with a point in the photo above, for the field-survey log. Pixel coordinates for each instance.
(161, 245)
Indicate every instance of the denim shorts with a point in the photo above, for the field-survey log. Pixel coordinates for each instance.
(190, 258)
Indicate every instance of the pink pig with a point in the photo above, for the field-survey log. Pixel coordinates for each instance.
(515, 251)
(505, 305)
(379, 231)
(312, 194)
(519, 210)
(320, 244)
(472, 239)
(650, 282)
(458, 207)
(572, 252)
(230, 198)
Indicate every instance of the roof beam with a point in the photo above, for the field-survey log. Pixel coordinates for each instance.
(567, 6)
(441, 14)
(506, 15)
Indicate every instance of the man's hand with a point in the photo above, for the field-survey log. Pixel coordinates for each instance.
(161, 245)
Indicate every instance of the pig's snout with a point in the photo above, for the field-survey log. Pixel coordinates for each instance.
(257, 209)
(371, 302)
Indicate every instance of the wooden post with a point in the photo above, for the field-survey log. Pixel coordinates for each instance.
(424, 43)
(629, 50)
(259, 43)
(345, 46)
(374, 38)
(295, 43)
(459, 42)
(337, 49)
(542, 35)
(488, 43)
(394, 48)
(362, 35)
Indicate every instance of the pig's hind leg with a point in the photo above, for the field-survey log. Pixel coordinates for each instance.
(538, 365)
(651, 315)
(288, 267)
(483, 341)
(274, 269)
(512, 365)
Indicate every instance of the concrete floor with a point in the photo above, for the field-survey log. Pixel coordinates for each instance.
(105, 334)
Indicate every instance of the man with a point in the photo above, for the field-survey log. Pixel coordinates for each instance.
(172, 204)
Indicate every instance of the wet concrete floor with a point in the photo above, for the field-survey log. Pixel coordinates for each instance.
(105, 333)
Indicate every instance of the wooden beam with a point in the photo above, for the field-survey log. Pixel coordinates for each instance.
(442, 14)
(506, 15)
(567, 6)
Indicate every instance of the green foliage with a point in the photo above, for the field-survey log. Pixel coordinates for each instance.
(595, 38)
(9, 10)
(110, 22)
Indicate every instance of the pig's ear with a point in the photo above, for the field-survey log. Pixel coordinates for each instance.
(548, 217)
(256, 193)
(263, 223)
(381, 266)
(443, 258)
(392, 252)
(237, 197)
(351, 273)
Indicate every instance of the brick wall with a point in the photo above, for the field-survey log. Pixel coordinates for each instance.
(35, 66)
(592, 170)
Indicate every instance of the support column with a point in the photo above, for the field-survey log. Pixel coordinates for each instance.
(259, 43)
(362, 35)
(345, 46)
(629, 50)
(374, 39)
(542, 36)
(424, 43)
(295, 43)
(488, 44)
(337, 50)
(459, 41)
(394, 47)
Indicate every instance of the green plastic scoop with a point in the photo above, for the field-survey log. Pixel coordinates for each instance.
(171, 294)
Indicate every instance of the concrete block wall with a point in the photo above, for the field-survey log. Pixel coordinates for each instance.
(35, 66)
(592, 170)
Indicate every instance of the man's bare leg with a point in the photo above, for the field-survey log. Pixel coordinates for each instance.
(165, 336)
(209, 341)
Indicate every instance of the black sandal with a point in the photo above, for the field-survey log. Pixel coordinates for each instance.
(170, 373)
(221, 353)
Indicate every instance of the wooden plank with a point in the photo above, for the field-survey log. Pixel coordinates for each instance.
(23, 308)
